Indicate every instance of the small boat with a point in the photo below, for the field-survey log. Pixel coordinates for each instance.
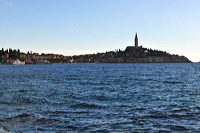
(18, 62)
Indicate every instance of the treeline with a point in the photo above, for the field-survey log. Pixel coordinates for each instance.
(13, 53)
(151, 52)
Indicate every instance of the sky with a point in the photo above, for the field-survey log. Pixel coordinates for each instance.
(73, 27)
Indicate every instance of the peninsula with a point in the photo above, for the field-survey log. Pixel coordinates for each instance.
(132, 54)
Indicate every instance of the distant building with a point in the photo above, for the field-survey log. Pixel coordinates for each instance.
(23, 57)
(136, 41)
(5, 57)
(135, 48)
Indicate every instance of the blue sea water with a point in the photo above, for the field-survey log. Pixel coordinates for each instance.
(100, 98)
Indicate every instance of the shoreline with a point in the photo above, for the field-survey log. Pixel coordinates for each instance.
(103, 63)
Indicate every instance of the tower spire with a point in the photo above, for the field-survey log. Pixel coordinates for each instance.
(136, 40)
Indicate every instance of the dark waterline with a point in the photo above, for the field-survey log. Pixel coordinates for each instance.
(100, 98)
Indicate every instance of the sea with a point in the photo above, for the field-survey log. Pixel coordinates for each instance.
(103, 98)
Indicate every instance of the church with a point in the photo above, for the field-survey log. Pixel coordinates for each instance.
(136, 48)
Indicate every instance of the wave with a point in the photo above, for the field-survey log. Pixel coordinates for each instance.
(86, 105)
(4, 130)
(173, 82)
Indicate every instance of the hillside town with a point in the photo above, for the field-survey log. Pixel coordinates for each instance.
(132, 54)
(9, 56)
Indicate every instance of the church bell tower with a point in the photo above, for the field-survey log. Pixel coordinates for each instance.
(136, 41)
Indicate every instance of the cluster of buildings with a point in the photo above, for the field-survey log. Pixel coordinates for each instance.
(34, 58)
(132, 54)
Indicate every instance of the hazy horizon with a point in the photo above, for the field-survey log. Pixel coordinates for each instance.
(91, 26)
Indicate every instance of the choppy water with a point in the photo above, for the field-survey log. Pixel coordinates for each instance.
(100, 98)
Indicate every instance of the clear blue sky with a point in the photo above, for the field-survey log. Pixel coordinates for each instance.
(89, 26)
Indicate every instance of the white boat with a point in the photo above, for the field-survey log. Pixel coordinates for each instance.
(18, 62)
